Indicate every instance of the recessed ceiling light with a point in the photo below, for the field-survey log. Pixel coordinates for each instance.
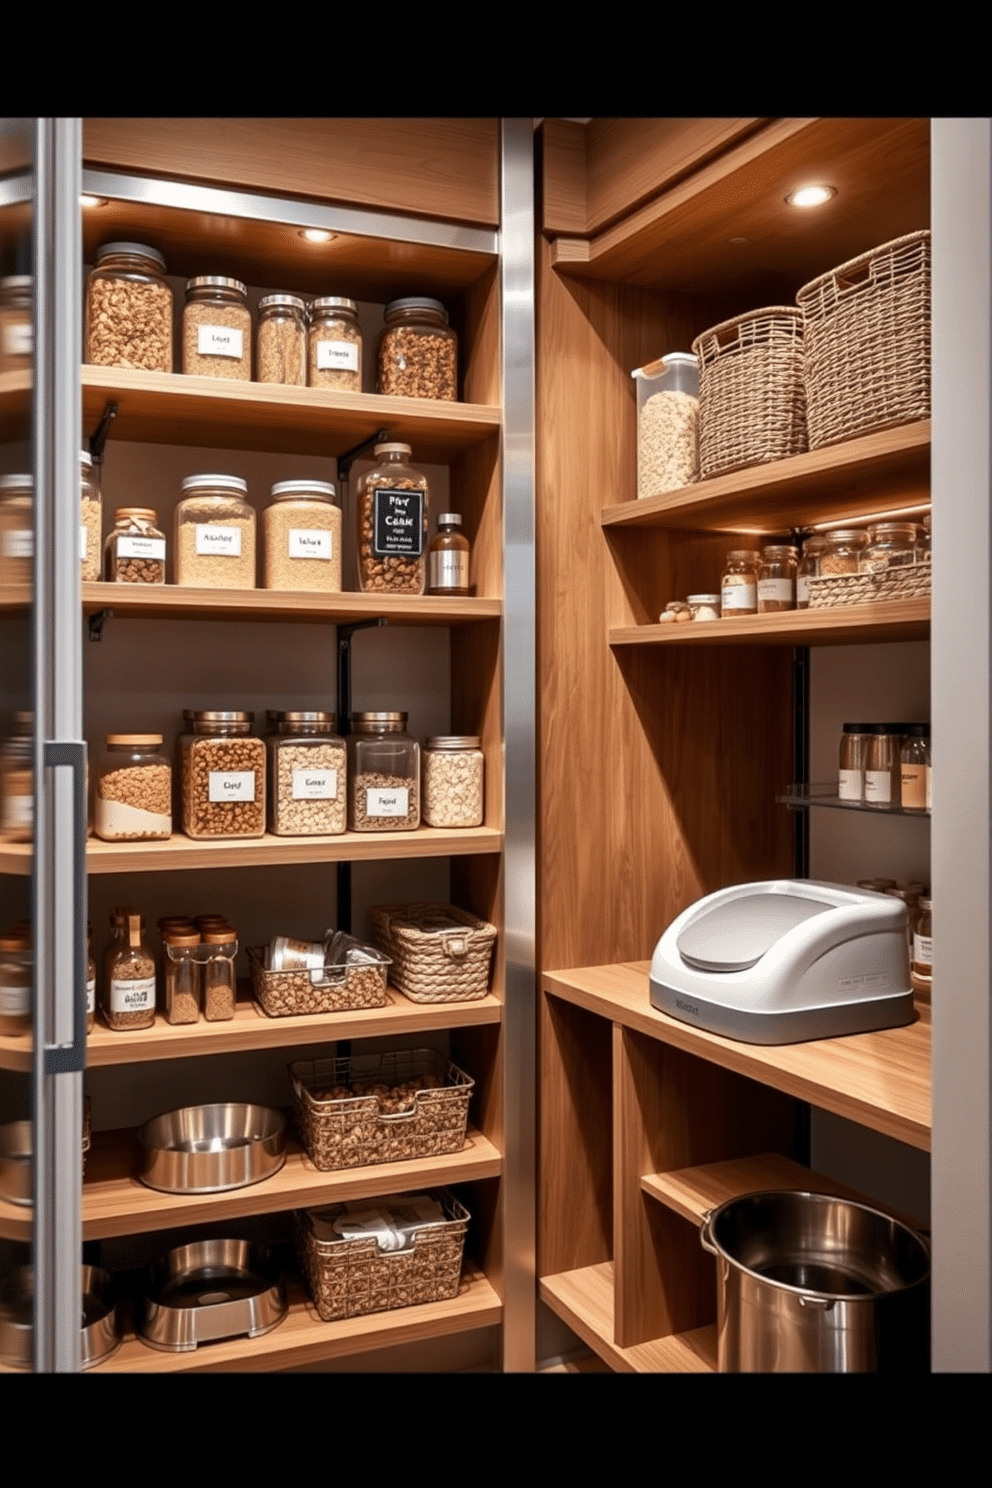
(86, 200)
(316, 234)
(811, 196)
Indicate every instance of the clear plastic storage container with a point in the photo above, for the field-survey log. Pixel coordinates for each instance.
(223, 776)
(667, 423)
(215, 534)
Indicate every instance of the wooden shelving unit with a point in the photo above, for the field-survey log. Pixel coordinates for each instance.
(169, 601)
(845, 625)
(584, 1300)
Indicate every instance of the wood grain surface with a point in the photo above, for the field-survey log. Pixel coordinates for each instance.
(584, 1300)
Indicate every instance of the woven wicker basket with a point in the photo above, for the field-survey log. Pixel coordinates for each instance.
(910, 582)
(439, 953)
(333, 989)
(341, 1128)
(867, 339)
(348, 1278)
(751, 393)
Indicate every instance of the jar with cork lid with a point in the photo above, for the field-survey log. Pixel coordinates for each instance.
(133, 794)
(129, 993)
(134, 552)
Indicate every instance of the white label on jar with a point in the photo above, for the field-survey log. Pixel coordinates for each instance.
(738, 596)
(878, 787)
(17, 339)
(213, 340)
(133, 997)
(141, 547)
(802, 589)
(913, 787)
(91, 995)
(448, 570)
(337, 356)
(232, 785)
(379, 802)
(18, 811)
(923, 950)
(929, 788)
(849, 785)
(15, 999)
(83, 540)
(315, 785)
(775, 589)
(224, 541)
(308, 542)
(18, 543)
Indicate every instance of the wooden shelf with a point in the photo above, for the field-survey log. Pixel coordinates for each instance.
(156, 600)
(115, 1202)
(879, 1080)
(584, 1300)
(170, 408)
(848, 625)
(879, 472)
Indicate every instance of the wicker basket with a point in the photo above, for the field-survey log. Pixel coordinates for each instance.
(342, 1128)
(332, 989)
(751, 393)
(909, 582)
(867, 338)
(439, 953)
(348, 1278)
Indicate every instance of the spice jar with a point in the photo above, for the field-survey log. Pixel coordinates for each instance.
(703, 606)
(853, 751)
(281, 340)
(215, 534)
(118, 937)
(17, 781)
(15, 982)
(882, 766)
(302, 530)
(844, 551)
(777, 579)
(217, 328)
(181, 972)
(452, 778)
(383, 774)
(90, 980)
(130, 987)
(914, 768)
(739, 583)
(921, 965)
(889, 545)
(675, 612)
(16, 529)
(90, 520)
(808, 568)
(447, 557)
(16, 327)
(133, 790)
(219, 948)
(667, 423)
(223, 776)
(129, 309)
(417, 352)
(134, 553)
(392, 506)
(334, 355)
(308, 779)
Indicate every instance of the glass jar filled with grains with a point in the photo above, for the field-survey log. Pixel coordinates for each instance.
(17, 781)
(392, 504)
(452, 779)
(739, 583)
(383, 774)
(90, 520)
(217, 328)
(914, 767)
(15, 981)
(853, 752)
(133, 790)
(215, 534)
(417, 352)
(219, 948)
(808, 568)
(308, 775)
(844, 551)
(223, 776)
(667, 423)
(16, 323)
(130, 988)
(16, 528)
(181, 974)
(334, 355)
(134, 552)
(448, 557)
(302, 532)
(889, 545)
(129, 309)
(281, 340)
(777, 579)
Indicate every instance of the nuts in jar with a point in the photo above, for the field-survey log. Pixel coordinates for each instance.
(223, 776)
(383, 773)
(334, 355)
(129, 309)
(417, 354)
(392, 507)
(90, 521)
(308, 787)
(134, 553)
(217, 328)
(452, 775)
(133, 790)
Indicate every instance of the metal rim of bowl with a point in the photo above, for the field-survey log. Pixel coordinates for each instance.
(155, 1155)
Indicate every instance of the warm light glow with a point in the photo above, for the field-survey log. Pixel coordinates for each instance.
(810, 196)
(92, 201)
(316, 234)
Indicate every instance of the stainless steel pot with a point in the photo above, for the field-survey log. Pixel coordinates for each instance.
(807, 1283)
(99, 1334)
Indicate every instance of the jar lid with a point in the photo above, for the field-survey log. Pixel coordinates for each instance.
(375, 720)
(917, 730)
(219, 935)
(680, 359)
(393, 449)
(141, 250)
(336, 302)
(86, 459)
(143, 739)
(317, 489)
(291, 302)
(215, 281)
(817, 541)
(174, 936)
(849, 535)
(215, 483)
(136, 513)
(16, 482)
(893, 529)
(780, 550)
(16, 281)
(210, 715)
(415, 302)
(739, 555)
(858, 728)
(321, 723)
(703, 599)
(452, 518)
(452, 741)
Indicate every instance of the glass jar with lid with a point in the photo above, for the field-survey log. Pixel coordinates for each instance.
(308, 775)
(777, 578)
(383, 774)
(392, 504)
(808, 567)
(17, 781)
(853, 753)
(844, 549)
(133, 790)
(223, 776)
(882, 768)
(134, 552)
(129, 994)
(417, 352)
(452, 778)
(703, 606)
(667, 423)
(921, 964)
(889, 545)
(16, 529)
(219, 947)
(334, 355)
(448, 557)
(281, 340)
(15, 982)
(215, 534)
(90, 520)
(923, 541)
(181, 974)
(739, 583)
(302, 532)
(217, 328)
(16, 323)
(914, 767)
(129, 309)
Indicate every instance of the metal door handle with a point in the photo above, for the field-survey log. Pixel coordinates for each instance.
(62, 1059)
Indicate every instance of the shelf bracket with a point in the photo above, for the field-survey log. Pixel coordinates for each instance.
(98, 438)
(349, 457)
(97, 621)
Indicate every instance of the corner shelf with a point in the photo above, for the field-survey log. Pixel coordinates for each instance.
(801, 797)
(584, 1300)
(171, 601)
(848, 625)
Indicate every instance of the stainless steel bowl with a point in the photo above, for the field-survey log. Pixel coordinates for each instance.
(15, 1162)
(208, 1149)
(99, 1334)
(211, 1290)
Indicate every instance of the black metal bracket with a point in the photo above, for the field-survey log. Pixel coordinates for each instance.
(98, 438)
(97, 621)
(345, 633)
(349, 457)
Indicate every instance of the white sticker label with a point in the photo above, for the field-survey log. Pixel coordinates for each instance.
(337, 356)
(15, 1000)
(232, 785)
(83, 540)
(802, 589)
(141, 547)
(133, 997)
(225, 541)
(17, 339)
(738, 597)
(18, 543)
(923, 950)
(379, 802)
(849, 785)
(18, 812)
(315, 785)
(214, 340)
(307, 542)
(775, 589)
(878, 787)
(91, 995)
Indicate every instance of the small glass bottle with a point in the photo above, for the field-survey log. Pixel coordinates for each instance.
(217, 328)
(914, 767)
(853, 751)
(220, 947)
(808, 568)
(921, 965)
(16, 529)
(16, 323)
(215, 534)
(739, 584)
(383, 774)
(889, 545)
(129, 309)
(133, 797)
(17, 781)
(15, 982)
(392, 504)
(130, 990)
(448, 557)
(90, 521)
(281, 340)
(882, 767)
(118, 936)
(334, 356)
(181, 973)
(302, 530)
(134, 552)
(308, 776)
(417, 351)
(777, 579)
(452, 778)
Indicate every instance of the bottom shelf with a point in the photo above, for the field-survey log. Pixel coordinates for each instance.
(584, 1300)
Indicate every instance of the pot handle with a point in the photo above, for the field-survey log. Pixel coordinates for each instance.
(819, 1304)
(705, 1238)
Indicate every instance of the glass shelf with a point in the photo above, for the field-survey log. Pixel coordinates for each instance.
(799, 797)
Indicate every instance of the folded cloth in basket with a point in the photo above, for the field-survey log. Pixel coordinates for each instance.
(393, 1225)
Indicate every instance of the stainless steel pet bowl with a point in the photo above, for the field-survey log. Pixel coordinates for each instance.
(99, 1334)
(211, 1290)
(208, 1149)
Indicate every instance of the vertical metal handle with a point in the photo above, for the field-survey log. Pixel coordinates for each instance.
(61, 1059)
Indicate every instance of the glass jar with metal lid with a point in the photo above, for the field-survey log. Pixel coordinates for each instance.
(914, 767)
(90, 520)
(334, 355)
(302, 532)
(448, 557)
(219, 947)
(452, 777)
(417, 352)
(383, 774)
(16, 323)
(889, 545)
(739, 583)
(134, 552)
(853, 753)
(133, 790)
(16, 529)
(808, 567)
(129, 309)
(308, 775)
(17, 781)
(181, 974)
(129, 993)
(882, 764)
(844, 549)
(217, 328)
(281, 340)
(215, 534)
(703, 606)
(777, 579)
(391, 508)
(15, 982)
(223, 776)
